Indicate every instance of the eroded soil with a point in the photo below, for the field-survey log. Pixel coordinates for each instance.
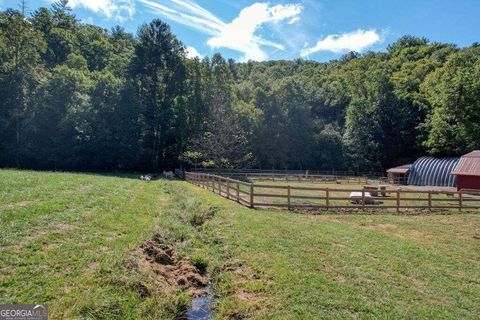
(162, 262)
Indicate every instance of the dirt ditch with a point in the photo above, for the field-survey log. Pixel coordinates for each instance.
(161, 261)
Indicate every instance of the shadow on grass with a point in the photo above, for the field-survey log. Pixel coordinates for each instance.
(116, 174)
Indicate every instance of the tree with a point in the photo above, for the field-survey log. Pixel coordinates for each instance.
(371, 128)
(329, 153)
(407, 41)
(453, 125)
(158, 70)
(59, 130)
(19, 75)
(223, 144)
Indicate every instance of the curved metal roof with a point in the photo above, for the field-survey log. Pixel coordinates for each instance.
(430, 171)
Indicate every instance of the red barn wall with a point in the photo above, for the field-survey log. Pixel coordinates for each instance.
(468, 182)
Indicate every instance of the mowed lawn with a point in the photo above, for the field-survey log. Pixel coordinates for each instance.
(68, 240)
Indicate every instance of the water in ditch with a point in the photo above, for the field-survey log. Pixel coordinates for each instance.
(201, 308)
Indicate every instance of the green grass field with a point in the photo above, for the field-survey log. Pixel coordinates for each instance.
(70, 240)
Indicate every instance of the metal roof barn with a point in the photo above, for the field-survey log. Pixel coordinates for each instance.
(469, 165)
(468, 171)
(431, 171)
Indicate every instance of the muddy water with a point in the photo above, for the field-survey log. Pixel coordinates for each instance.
(201, 308)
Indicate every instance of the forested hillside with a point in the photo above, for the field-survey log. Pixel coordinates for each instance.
(77, 97)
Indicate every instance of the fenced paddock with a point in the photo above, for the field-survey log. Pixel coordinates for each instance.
(300, 195)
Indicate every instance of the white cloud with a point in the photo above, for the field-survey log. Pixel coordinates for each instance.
(240, 34)
(358, 40)
(193, 53)
(187, 13)
(120, 10)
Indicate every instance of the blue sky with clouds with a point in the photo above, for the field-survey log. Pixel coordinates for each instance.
(277, 29)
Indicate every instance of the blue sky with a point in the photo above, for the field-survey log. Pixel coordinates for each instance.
(276, 29)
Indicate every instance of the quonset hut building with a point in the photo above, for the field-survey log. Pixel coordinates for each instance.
(430, 171)
(463, 173)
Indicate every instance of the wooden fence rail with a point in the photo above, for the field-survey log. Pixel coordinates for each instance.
(281, 176)
(265, 195)
(231, 172)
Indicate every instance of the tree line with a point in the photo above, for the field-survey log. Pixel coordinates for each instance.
(74, 96)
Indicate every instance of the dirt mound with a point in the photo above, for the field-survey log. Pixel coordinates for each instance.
(162, 260)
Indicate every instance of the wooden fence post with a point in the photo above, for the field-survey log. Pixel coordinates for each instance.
(327, 193)
(398, 201)
(430, 200)
(228, 188)
(460, 200)
(251, 195)
(363, 199)
(288, 196)
(238, 192)
(213, 184)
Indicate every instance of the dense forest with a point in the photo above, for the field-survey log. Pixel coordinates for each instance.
(74, 96)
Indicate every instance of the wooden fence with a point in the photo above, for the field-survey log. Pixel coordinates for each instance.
(291, 197)
(317, 178)
(279, 173)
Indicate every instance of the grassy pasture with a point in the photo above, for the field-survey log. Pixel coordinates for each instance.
(68, 240)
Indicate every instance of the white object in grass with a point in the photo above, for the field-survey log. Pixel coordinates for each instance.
(357, 197)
